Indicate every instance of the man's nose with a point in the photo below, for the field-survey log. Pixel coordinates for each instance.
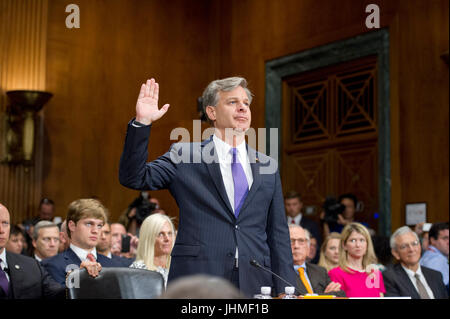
(242, 107)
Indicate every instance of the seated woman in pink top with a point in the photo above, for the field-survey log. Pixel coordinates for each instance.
(357, 272)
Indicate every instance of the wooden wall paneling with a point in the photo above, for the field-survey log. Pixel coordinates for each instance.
(96, 72)
(419, 78)
(23, 30)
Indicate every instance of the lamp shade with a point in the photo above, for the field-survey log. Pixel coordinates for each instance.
(29, 100)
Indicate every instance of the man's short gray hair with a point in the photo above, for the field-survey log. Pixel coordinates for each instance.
(401, 231)
(307, 233)
(42, 224)
(210, 95)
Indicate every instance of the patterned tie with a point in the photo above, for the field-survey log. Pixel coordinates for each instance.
(4, 283)
(90, 257)
(239, 181)
(422, 290)
(305, 282)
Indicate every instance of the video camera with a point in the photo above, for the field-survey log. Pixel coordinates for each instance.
(144, 207)
(332, 209)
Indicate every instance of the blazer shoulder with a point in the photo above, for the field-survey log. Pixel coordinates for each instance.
(21, 260)
(316, 268)
(431, 272)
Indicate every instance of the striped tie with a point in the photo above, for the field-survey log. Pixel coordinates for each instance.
(239, 181)
(305, 282)
(4, 283)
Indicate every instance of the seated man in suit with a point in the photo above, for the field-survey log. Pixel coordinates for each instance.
(409, 278)
(85, 220)
(312, 279)
(22, 277)
(45, 240)
(104, 247)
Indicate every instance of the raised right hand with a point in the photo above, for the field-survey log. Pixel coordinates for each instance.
(147, 103)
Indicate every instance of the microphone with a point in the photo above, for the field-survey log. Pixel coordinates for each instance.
(256, 264)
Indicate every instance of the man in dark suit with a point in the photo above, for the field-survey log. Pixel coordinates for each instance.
(85, 219)
(293, 204)
(294, 215)
(229, 195)
(311, 279)
(22, 277)
(408, 277)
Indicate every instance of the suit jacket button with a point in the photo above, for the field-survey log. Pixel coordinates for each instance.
(230, 254)
(237, 227)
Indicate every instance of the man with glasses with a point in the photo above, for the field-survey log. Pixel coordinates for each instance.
(311, 279)
(45, 240)
(436, 256)
(408, 277)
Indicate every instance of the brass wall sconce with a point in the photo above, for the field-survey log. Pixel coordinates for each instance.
(20, 123)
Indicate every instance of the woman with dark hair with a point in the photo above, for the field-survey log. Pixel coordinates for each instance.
(16, 243)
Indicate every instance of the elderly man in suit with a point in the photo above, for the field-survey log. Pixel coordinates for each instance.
(408, 277)
(311, 279)
(230, 202)
(22, 277)
(85, 220)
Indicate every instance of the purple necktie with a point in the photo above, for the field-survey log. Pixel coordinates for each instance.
(4, 283)
(239, 181)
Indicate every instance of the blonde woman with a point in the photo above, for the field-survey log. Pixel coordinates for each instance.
(357, 272)
(156, 240)
(329, 252)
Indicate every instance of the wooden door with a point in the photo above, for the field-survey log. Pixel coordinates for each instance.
(330, 135)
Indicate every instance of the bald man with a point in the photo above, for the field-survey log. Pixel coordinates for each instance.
(22, 277)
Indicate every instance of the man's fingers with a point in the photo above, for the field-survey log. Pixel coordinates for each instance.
(152, 88)
(142, 91)
(164, 109)
(147, 88)
(155, 90)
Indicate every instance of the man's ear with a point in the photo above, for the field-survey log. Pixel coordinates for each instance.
(71, 225)
(33, 242)
(395, 254)
(211, 112)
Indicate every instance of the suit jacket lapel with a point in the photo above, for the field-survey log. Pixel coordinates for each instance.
(301, 287)
(216, 175)
(255, 166)
(431, 283)
(71, 257)
(312, 278)
(404, 279)
(15, 274)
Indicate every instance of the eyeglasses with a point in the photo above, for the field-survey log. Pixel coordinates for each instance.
(412, 244)
(301, 241)
(49, 239)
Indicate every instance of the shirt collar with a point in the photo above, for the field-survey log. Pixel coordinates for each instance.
(297, 218)
(3, 258)
(435, 250)
(223, 149)
(296, 267)
(37, 258)
(412, 273)
(82, 253)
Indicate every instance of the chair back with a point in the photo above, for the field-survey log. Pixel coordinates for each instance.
(115, 283)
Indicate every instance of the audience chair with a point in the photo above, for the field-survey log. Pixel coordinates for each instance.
(115, 283)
